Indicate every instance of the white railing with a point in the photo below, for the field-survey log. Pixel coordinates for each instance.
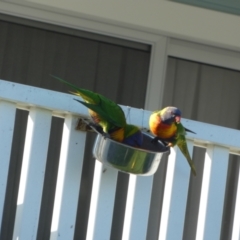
(42, 105)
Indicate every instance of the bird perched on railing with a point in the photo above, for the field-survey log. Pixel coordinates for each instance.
(108, 115)
(166, 125)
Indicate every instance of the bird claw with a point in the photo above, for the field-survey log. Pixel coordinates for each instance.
(145, 130)
(83, 125)
(105, 135)
(155, 140)
(87, 126)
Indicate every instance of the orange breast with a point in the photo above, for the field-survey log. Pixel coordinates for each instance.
(159, 129)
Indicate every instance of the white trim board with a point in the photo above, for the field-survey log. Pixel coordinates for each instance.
(79, 21)
(166, 18)
(204, 54)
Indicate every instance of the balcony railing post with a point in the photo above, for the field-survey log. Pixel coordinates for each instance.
(175, 195)
(212, 193)
(102, 202)
(32, 174)
(137, 207)
(7, 118)
(236, 218)
(68, 180)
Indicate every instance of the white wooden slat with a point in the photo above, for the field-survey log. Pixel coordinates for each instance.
(102, 202)
(68, 182)
(7, 118)
(204, 194)
(212, 193)
(236, 218)
(175, 195)
(137, 207)
(32, 174)
(167, 195)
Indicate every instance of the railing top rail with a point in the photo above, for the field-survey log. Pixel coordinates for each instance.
(61, 103)
(28, 96)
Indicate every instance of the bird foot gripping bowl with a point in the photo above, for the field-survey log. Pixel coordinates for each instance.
(140, 161)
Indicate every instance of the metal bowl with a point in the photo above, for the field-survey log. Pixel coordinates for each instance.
(141, 161)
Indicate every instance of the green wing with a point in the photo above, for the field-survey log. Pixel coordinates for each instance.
(182, 144)
(113, 111)
(112, 115)
(108, 110)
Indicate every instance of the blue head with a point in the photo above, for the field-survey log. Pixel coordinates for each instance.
(171, 114)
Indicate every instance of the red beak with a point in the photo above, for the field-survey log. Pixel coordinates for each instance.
(177, 119)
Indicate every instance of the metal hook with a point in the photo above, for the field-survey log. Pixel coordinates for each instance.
(128, 114)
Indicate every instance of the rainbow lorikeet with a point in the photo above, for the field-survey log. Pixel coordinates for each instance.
(108, 115)
(166, 126)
